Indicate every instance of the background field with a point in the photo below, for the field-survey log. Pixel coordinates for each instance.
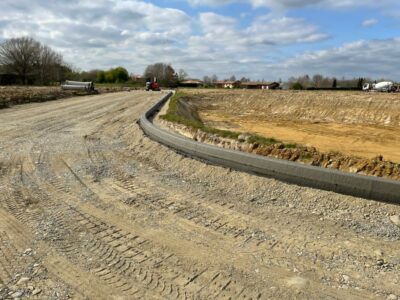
(11, 95)
(354, 123)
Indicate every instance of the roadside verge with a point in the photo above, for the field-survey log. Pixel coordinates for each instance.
(368, 187)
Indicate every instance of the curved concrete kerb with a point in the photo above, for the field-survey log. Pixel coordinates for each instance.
(368, 187)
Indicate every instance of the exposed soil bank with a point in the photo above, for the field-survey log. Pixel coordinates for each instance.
(301, 154)
(376, 166)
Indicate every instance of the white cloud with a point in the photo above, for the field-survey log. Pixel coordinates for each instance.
(218, 24)
(264, 30)
(134, 33)
(374, 58)
(96, 33)
(286, 4)
(369, 22)
(209, 2)
(226, 48)
(282, 30)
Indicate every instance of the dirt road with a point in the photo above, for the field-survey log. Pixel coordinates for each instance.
(92, 209)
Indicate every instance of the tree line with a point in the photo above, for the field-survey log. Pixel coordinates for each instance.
(165, 75)
(113, 75)
(27, 61)
(31, 62)
(321, 82)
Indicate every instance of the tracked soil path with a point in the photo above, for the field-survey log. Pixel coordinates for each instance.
(92, 209)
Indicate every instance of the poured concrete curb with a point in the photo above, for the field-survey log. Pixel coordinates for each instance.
(326, 179)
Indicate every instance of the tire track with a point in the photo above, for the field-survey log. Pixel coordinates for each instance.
(108, 213)
(124, 257)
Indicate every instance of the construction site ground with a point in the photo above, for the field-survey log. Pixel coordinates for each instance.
(353, 123)
(90, 208)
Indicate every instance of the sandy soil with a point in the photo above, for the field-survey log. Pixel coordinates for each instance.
(90, 208)
(354, 123)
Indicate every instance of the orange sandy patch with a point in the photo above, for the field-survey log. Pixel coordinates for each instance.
(351, 139)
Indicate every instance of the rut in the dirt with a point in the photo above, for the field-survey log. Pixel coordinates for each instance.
(91, 208)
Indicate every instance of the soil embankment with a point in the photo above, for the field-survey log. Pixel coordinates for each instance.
(353, 132)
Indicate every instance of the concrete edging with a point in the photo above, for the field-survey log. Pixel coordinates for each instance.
(368, 187)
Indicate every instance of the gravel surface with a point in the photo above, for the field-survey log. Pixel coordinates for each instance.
(91, 208)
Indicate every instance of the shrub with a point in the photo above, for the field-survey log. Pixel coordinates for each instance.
(297, 86)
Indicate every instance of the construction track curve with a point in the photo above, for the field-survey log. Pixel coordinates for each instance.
(92, 209)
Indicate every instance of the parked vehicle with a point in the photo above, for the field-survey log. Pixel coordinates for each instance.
(152, 85)
(383, 86)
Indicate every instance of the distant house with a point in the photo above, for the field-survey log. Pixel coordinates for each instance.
(260, 85)
(193, 83)
(139, 79)
(228, 84)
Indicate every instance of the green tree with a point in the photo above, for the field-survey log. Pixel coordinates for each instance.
(101, 77)
(334, 83)
(297, 86)
(360, 83)
(119, 75)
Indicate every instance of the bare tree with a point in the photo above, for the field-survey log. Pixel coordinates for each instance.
(182, 75)
(27, 58)
(164, 73)
(20, 56)
(50, 63)
(317, 80)
(207, 80)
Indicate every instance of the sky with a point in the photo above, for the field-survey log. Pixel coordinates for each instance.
(260, 39)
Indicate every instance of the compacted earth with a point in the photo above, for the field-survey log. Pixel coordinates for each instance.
(90, 208)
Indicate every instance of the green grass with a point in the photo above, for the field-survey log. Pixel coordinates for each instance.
(257, 139)
(172, 116)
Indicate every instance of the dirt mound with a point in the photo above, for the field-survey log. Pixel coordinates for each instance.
(314, 106)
